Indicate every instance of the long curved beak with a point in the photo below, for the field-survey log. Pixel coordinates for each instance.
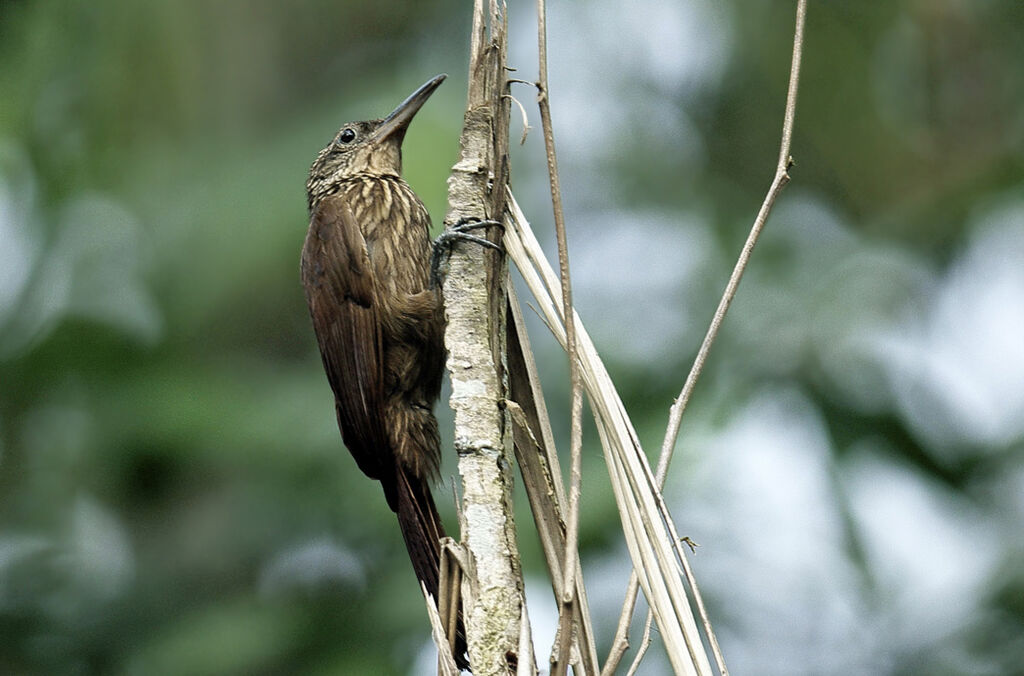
(398, 121)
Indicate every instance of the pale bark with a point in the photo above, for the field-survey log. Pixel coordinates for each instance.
(475, 300)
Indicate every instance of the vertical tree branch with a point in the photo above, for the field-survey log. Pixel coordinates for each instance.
(475, 303)
(561, 657)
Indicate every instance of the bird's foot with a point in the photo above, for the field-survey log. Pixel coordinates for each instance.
(459, 232)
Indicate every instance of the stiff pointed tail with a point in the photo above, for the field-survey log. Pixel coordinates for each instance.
(422, 531)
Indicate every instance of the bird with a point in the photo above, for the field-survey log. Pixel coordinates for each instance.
(378, 319)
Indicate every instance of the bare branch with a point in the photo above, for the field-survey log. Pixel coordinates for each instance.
(645, 643)
(475, 306)
(566, 603)
(620, 644)
(779, 181)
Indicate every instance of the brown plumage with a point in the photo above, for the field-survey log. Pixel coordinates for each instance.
(379, 322)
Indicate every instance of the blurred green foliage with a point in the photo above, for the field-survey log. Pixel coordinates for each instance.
(174, 495)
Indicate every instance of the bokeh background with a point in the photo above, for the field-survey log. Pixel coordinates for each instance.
(174, 495)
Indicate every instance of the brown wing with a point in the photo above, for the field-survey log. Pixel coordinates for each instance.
(339, 285)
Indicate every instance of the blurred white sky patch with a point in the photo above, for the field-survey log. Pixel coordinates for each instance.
(93, 266)
(637, 280)
(620, 76)
(774, 314)
(677, 45)
(956, 364)
(858, 295)
(818, 306)
(603, 44)
(930, 552)
(101, 249)
(20, 245)
(540, 604)
(311, 565)
(886, 330)
(773, 556)
(98, 559)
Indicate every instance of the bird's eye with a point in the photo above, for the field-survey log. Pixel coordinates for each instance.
(346, 136)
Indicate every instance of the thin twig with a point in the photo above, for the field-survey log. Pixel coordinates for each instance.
(778, 183)
(620, 644)
(645, 643)
(526, 119)
(576, 430)
(676, 413)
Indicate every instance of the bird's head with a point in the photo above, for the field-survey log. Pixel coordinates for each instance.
(372, 147)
